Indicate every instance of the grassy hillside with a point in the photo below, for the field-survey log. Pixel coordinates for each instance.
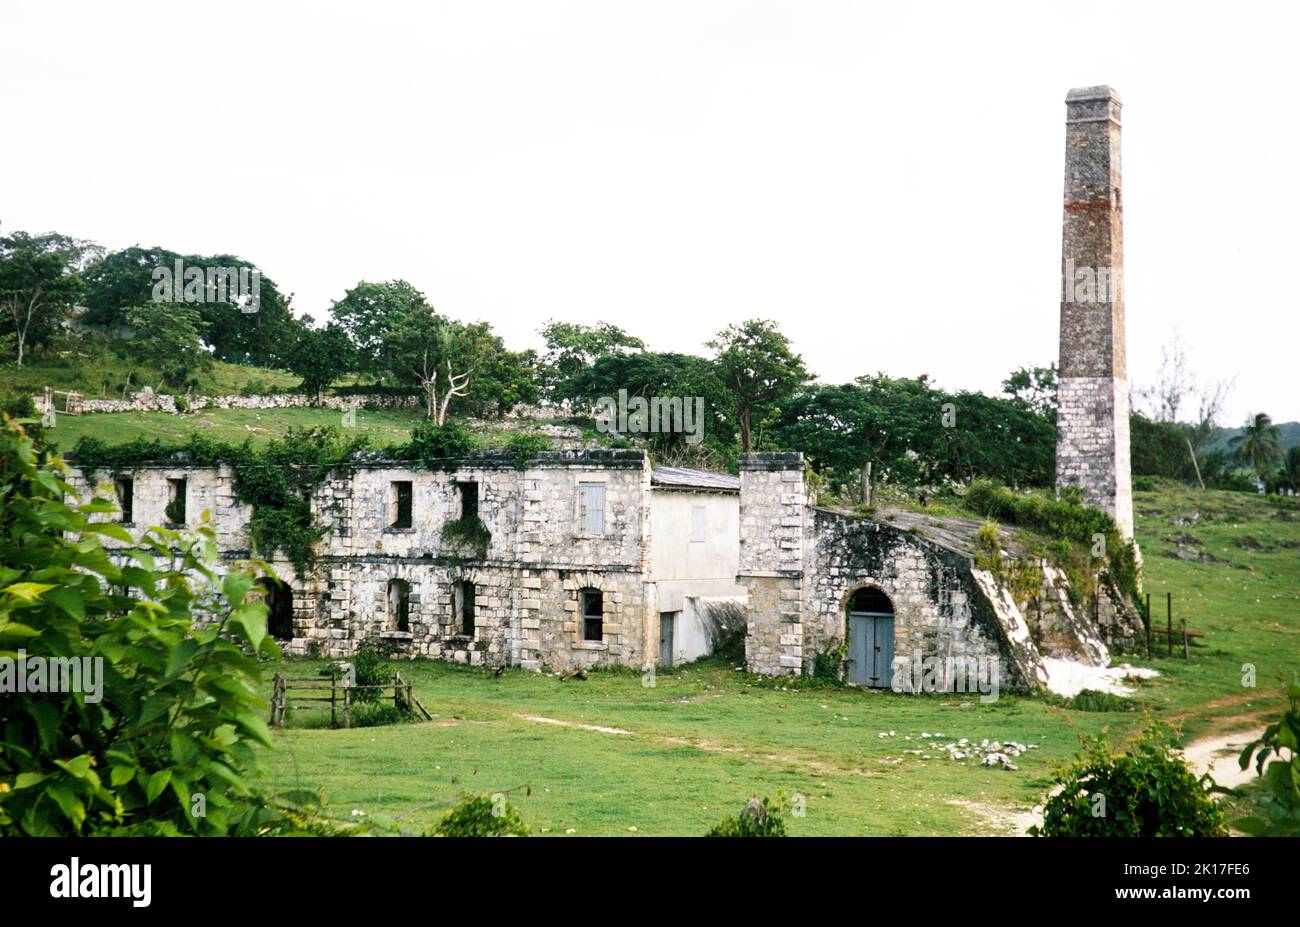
(1289, 435)
(103, 374)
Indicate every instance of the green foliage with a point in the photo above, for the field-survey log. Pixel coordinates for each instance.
(464, 536)
(430, 442)
(168, 338)
(40, 281)
(481, 816)
(757, 819)
(370, 669)
(1092, 700)
(898, 426)
(1035, 387)
(524, 448)
(171, 725)
(1281, 774)
(276, 480)
(572, 349)
(758, 371)
(1073, 527)
(829, 663)
(379, 715)
(320, 356)
(1259, 444)
(1146, 792)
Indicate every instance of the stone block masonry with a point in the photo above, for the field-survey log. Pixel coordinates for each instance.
(1092, 426)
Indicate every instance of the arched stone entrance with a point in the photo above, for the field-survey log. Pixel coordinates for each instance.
(279, 608)
(869, 629)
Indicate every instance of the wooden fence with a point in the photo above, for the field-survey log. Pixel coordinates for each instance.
(316, 693)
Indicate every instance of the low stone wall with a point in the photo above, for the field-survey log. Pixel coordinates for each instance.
(147, 400)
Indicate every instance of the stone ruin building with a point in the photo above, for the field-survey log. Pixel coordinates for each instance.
(596, 558)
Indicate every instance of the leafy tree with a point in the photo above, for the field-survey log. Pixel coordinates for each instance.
(899, 426)
(1259, 444)
(1146, 792)
(1291, 467)
(437, 354)
(369, 312)
(320, 356)
(123, 280)
(167, 337)
(120, 281)
(40, 281)
(651, 373)
(164, 742)
(504, 380)
(572, 347)
(1035, 387)
(758, 370)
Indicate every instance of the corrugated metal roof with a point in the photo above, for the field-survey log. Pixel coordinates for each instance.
(694, 479)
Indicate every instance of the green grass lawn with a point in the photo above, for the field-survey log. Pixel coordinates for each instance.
(261, 425)
(102, 374)
(705, 738)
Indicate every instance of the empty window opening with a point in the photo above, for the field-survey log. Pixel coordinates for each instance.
(126, 499)
(466, 610)
(591, 508)
(468, 501)
(279, 608)
(593, 615)
(699, 523)
(176, 492)
(401, 496)
(399, 605)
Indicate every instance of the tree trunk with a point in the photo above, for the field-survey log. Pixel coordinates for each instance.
(743, 421)
(866, 483)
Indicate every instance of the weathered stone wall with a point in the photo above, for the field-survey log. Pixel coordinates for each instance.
(773, 509)
(1092, 424)
(939, 611)
(527, 586)
(147, 400)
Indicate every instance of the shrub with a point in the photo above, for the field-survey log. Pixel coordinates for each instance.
(1282, 775)
(378, 715)
(437, 442)
(481, 816)
(1146, 792)
(171, 726)
(757, 819)
(1093, 700)
(524, 447)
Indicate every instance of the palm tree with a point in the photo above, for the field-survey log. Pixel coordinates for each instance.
(1259, 444)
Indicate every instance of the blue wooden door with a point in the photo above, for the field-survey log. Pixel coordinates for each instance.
(861, 633)
(871, 649)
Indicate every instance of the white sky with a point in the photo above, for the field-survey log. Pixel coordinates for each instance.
(884, 181)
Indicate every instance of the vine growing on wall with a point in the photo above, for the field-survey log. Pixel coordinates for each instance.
(277, 480)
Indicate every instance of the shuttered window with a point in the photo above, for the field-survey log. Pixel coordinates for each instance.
(591, 508)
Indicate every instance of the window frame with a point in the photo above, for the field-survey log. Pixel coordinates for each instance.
(585, 617)
(396, 488)
(583, 511)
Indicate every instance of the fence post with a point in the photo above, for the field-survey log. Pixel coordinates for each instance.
(334, 687)
(347, 706)
(1147, 622)
(1169, 620)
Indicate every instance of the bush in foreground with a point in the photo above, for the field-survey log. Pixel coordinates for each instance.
(757, 819)
(1146, 792)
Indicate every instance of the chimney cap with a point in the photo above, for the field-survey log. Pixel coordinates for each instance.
(1086, 94)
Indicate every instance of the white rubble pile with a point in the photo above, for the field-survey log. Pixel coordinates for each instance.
(1068, 677)
(985, 753)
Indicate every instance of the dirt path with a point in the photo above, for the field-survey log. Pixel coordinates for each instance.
(1217, 755)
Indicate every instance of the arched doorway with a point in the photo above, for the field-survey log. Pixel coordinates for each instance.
(870, 628)
(279, 608)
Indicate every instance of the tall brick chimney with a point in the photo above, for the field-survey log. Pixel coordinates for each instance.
(1092, 441)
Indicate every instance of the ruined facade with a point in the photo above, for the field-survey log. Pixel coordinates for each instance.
(1092, 427)
(562, 572)
(911, 582)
